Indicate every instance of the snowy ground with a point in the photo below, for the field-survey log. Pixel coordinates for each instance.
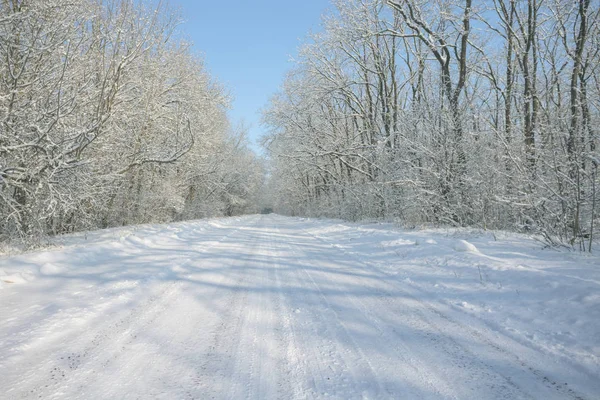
(272, 307)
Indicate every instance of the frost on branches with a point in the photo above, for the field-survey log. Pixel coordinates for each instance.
(107, 119)
(460, 112)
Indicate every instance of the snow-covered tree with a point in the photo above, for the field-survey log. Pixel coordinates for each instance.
(107, 118)
(446, 111)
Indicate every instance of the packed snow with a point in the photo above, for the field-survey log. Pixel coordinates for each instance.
(278, 307)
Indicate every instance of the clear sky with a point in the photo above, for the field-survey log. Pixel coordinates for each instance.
(247, 45)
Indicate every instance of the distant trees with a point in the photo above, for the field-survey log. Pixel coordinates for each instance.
(106, 118)
(448, 111)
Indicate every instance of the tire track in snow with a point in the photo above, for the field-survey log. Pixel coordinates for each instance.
(67, 369)
(408, 367)
(340, 366)
(299, 371)
(425, 313)
(230, 342)
(183, 329)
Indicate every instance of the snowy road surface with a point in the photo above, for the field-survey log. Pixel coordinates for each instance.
(268, 307)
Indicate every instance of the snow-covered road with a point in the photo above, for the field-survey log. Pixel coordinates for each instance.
(266, 307)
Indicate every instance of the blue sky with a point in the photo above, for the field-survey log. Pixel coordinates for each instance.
(247, 46)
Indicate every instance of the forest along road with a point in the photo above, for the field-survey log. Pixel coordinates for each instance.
(249, 308)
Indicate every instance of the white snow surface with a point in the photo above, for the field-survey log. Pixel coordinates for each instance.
(464, 246)
(267, 307)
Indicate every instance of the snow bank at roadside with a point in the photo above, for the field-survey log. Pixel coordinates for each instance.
(546, 298)
(464, 246)
(52, 269)
(18, 267)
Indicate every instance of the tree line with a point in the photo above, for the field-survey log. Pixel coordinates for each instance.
(477, 113)
(108, 118)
